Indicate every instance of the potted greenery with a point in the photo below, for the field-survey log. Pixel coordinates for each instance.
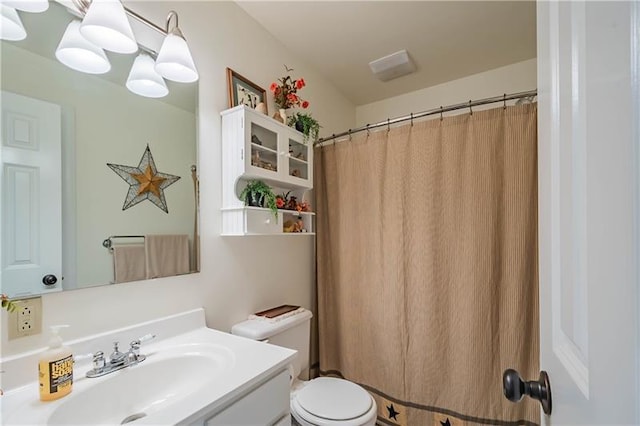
(305, 124)
(259, 194)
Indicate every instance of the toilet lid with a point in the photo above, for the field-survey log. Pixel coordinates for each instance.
(334, 399)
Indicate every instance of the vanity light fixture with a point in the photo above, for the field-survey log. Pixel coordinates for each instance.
(106, 25)
(33, 6)
(174, 60)
(78, 53)
(11, 27)
(144, 80)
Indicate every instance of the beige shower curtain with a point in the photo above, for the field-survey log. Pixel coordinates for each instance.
(427, 266)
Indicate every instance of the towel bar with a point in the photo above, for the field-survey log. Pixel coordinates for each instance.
(107, 243)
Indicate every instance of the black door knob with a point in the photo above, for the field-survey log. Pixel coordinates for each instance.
(515, 388)
(49, 280)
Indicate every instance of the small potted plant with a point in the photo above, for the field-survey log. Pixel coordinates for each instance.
(305, 124)
(259, 194)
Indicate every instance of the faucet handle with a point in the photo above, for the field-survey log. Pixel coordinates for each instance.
(135, 345)
(98, 361)
(146, 338)
(134, 350)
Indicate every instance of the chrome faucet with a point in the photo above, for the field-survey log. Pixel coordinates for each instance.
(118, 360)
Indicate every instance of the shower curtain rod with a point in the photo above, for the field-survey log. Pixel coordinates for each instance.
(388, 122)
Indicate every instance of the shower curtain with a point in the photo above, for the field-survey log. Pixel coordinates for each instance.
(427, 266)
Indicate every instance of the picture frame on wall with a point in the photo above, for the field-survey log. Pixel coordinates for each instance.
(243, 91)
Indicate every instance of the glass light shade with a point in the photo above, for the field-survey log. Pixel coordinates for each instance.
(174, 61)
(11, 27)
(80, 54)
(106, 25)
(33, 6)
(144, 80)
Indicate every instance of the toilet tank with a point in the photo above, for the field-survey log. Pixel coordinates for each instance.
(293, 332)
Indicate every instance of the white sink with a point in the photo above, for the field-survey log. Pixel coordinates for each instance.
(155, 384)
(191, 374)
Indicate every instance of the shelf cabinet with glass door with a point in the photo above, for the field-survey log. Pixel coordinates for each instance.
(255, 146)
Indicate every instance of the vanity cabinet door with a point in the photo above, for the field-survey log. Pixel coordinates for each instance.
(262, 147)
(265, 405)
(296, 160)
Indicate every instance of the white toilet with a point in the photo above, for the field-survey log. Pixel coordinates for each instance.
(325, 401)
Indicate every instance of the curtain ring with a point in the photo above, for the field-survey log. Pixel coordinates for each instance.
(334, 138)
(504, 101)
(388, 126)
(349, 135)
(411, 119)
(368, 132)
(441, 110)
(470, 110)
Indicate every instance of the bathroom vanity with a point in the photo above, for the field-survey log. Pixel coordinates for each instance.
(191, 375)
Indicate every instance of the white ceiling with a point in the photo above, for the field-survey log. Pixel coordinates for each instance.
(446, 39)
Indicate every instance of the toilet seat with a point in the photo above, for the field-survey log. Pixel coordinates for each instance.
(329, 401)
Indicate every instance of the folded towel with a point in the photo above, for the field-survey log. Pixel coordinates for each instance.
(278, 318)
(128, 263)
(166, 255)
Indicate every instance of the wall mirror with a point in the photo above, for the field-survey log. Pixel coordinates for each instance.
(98, 122)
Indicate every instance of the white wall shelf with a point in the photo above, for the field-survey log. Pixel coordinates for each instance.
(255, 146)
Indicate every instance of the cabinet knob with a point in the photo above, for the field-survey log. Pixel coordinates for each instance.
(268, 221)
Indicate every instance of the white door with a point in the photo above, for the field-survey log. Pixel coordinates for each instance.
(588, 154)
(30, 155)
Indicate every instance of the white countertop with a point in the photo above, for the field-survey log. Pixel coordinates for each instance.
(242, 364)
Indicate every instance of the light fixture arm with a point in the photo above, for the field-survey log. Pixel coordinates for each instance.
(171, 14)
(176, 29)
(83, 5)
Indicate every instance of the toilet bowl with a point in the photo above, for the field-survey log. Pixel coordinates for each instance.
(324, 401)
(329, 401)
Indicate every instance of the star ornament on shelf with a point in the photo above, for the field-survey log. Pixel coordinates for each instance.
(145, 182)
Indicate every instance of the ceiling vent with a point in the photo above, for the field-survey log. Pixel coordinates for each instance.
(392, 66)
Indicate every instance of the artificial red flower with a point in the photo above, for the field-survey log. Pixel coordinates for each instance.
(284, 92)
(279, 202)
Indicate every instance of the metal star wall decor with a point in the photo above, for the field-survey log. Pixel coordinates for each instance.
(146, 183)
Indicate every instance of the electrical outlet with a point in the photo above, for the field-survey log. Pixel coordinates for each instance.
(26, 320)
